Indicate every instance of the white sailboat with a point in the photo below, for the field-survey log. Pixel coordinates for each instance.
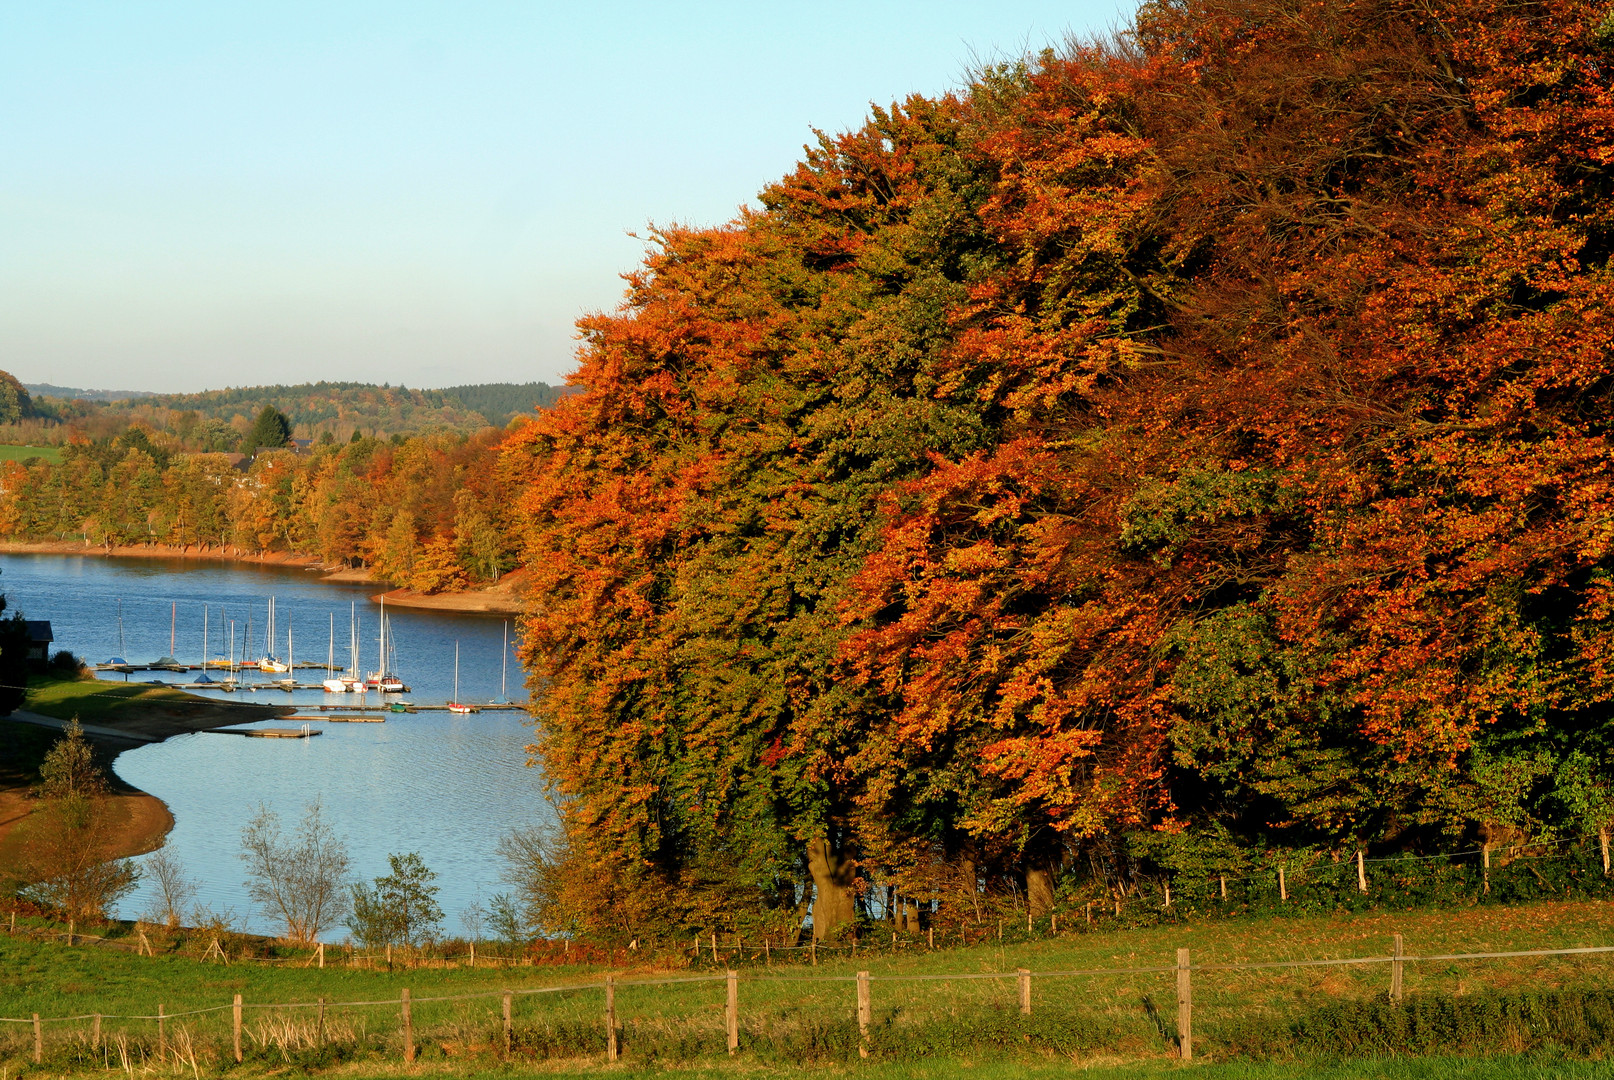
(455, 705)
(269, 661)
(382, 678)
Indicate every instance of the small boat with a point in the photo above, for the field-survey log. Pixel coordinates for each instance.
(204, 679)
(382, 679)
(455, 705)
(168, 663)
(269, 661)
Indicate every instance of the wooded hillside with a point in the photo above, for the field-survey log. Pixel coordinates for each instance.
(1148, 461)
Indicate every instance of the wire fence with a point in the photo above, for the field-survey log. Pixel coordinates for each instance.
(774, 994)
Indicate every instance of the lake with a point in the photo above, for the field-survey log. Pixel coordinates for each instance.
(444, 785)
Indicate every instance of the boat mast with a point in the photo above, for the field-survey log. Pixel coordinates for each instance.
(173, 616)
(330, 655)
(121, 648)
(456, 672)
(232, 650)
(205, 641)
(381, 643)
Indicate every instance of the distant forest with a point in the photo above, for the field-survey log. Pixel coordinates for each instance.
(216, 420)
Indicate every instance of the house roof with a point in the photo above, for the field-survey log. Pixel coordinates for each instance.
(39, 630)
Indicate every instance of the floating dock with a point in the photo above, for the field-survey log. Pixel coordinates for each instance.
(341, 719)
(270, 732)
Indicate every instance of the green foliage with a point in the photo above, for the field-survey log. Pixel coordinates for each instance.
(500, 403)
(271, 429)
(15, 403)
(69, 769)
(400, 909)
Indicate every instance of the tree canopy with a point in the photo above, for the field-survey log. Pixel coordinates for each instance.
(1161, 452)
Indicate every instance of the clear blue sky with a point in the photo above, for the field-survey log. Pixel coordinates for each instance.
(216, 194)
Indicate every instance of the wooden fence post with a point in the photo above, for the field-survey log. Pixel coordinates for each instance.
(95, 1032)
(1185, 1007)
(1224, 885)
(320, 1024)
(813, 945)
(322, 955)
(39, 1041)
(864, 1012)
(1602, 842)
(1485, 873)
(1361, 872)
(473, 954)
(162, 1034)
(507, 998)
(235, 1028)
(610, 1018)
(408, 1027)
(1168, 895)
(1283, 886)
(389, 956)
(1395, 971)
(714, 946)
(932, 930)
(1023, 977)
(732, 1012)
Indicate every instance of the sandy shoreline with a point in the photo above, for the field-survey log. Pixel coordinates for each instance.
(504, 597)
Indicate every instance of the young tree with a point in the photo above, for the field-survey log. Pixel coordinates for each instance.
(73, 869)
(299, 880)
(174, 890)
(401, 908)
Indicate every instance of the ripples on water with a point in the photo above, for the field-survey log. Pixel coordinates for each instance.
(446, 786)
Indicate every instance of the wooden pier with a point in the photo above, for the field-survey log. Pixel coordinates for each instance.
(270, 732)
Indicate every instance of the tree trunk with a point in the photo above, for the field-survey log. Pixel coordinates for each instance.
(832, 887)
(1039, 890)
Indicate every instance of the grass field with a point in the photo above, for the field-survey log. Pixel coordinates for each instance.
(51, 454)
(798, 1019)
(96, 699)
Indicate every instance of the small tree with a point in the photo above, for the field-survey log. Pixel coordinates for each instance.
(300, 881)
(69, 769)
(72, 868)
(505, 920)
(401, 909)
(174, 891)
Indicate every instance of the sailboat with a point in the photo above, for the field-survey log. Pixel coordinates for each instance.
(455, 705)
(289, 683)
(382, 678)
(270, 662)
(349, 681)
(207, 641)
(118, 663)
(333, 685)
(168, 663)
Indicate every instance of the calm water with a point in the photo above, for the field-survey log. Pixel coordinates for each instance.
(446, 786)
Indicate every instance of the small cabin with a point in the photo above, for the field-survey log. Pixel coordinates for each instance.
(39, 639)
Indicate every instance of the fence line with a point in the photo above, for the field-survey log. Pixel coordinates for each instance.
(860, 977)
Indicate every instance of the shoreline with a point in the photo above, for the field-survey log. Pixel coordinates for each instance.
(140, 820)
(503, 597)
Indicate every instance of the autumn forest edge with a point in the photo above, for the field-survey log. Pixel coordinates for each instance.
(1163, 459)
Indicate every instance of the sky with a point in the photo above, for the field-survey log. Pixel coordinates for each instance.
(202, 195)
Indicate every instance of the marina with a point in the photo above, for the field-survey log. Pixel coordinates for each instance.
(443, 784)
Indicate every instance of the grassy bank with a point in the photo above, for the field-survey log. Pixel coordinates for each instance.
(96, 700)
(793, 1015)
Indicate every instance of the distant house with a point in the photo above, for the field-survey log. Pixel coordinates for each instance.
(39, 639)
